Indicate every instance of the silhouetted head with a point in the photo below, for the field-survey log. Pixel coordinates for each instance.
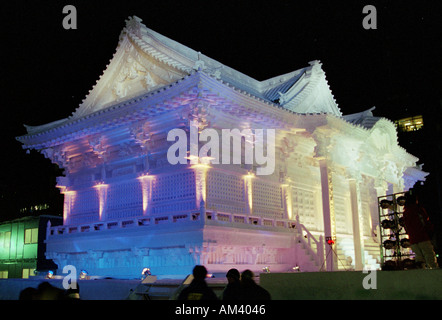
(28, 294)
(233, 275)
(247, 275)
(46, 291)
(410, 198)
(199, 272)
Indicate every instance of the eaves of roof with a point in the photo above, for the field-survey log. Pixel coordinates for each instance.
(143, 106)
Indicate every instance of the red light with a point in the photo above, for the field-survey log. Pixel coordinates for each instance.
(330, 242)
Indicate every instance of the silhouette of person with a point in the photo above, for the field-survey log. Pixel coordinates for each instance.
(233, 289)
(198, 288)
(44, 291)
(72, 293)
(250, 290)
(28, 294)
(418, 226)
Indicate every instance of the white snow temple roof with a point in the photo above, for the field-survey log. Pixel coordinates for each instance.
(146, 61)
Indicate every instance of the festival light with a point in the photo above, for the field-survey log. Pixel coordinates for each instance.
(248, 188)
(102, 196)
(50, 274)
(266, 269)
(201, 167)
(146, 272)
(83, 274)
(287, 194)
(146, 187)
(69, 200)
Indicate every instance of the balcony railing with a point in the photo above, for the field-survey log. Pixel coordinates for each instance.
(209, 218)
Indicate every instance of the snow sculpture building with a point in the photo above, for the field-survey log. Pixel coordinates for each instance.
(128, 207)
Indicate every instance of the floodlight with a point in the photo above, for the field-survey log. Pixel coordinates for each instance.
(83, 274)
(146, 272)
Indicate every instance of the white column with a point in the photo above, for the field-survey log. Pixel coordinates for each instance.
(328, 214)
(288, 204)
(358, 240)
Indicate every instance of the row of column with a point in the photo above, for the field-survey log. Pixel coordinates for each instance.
(330, 220)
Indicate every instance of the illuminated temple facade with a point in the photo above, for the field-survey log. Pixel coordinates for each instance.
(126, 206)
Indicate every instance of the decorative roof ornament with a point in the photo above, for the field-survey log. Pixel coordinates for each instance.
(217, 73)
(199, 64)
(316, 64)
(133, 25)
(140, 133)
(98, 146)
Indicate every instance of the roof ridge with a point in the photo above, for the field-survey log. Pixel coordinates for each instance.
(179, 61)
(306, 84)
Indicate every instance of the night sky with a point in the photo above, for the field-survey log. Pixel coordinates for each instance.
(47, 71)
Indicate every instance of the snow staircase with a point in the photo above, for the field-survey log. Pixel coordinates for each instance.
(346, 254)
(309, 257)
(308, 263)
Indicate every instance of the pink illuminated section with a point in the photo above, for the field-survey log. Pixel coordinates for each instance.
(200, 182)
(201, 166)
(248, 189)
(69, 200)
(146, 188)
(102, 197)
(286, 189)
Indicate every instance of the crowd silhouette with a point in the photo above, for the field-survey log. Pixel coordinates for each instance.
(46, 291)
(239, 287)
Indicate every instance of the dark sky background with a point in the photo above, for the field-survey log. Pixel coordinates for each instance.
(47, 71)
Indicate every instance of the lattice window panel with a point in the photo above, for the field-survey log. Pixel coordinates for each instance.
(170, 192)
(85, 203)
(342, 204)
(369, 204)
(342, 213)
(124, 200)
(83, 218)
(303, 203)
(366, 218)
(225, 192)
(177, 206)
(229, 208)
(267, 199)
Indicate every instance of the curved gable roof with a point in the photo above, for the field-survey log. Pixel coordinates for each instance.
(145, 61)
(307, 91)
